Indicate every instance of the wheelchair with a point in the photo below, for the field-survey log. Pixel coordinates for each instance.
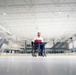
(35, 50)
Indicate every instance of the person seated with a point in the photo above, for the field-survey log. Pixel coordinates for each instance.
(38, 41)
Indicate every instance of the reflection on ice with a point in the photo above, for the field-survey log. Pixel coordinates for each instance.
(28, 65)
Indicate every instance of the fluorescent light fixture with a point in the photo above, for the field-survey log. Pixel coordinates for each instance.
(5, 30)
(2, 28)
(8, 33)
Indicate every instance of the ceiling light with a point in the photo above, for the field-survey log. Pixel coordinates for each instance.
(4, 13)
(59, 12)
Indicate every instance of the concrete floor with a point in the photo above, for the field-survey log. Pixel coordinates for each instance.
(28, 65)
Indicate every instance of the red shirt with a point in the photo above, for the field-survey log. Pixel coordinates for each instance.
(38, 40)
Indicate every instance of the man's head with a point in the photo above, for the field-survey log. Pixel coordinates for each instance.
(38, 34)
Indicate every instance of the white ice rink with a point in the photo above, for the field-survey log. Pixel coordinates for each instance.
(28, 65)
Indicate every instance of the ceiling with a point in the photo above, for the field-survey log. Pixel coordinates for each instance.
(24, 18)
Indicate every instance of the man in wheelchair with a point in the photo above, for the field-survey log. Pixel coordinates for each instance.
(38, 43)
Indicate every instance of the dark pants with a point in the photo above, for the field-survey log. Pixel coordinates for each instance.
(40, 47)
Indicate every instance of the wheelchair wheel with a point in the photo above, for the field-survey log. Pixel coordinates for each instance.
(35, 55)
